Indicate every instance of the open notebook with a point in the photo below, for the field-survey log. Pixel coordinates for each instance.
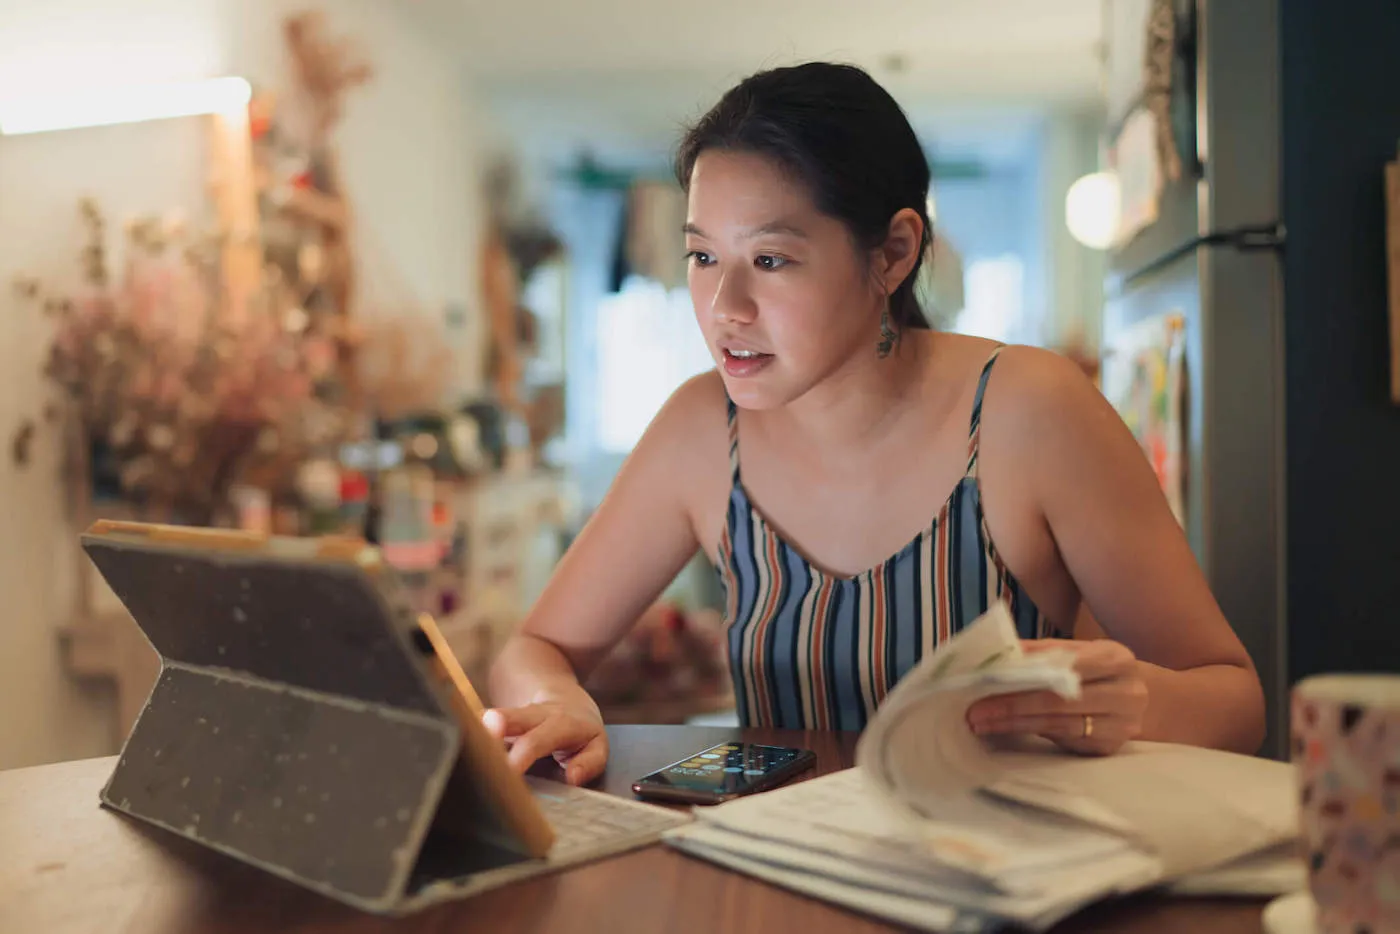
(938, 829)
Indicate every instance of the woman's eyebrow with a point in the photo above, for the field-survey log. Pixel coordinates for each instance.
(773, 227)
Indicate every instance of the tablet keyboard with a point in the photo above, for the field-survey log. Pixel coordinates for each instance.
(590, 823)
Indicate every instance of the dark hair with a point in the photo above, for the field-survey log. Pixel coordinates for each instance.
(840, 134)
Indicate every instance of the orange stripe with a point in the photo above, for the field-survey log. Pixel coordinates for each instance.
(877, 653)
(765, 617)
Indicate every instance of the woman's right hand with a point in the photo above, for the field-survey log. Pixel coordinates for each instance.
(638, 539)
(570, 728)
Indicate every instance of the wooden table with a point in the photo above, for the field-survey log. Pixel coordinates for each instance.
(67, 866)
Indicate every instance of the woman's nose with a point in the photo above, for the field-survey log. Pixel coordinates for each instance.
(732, 303)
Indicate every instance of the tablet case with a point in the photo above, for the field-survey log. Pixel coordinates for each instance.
(303, 721)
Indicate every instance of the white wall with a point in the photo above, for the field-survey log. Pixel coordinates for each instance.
(1075, 273)
(44, 716)
(411, 144)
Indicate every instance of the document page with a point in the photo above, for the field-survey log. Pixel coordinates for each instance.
(970, 839)
(1017, 829)
(918, 746)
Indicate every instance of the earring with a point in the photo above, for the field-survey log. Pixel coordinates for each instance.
(887, 335)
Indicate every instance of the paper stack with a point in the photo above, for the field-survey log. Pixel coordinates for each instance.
(938, 829)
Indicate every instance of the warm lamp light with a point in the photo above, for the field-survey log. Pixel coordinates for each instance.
(131, 104)
(1091, 209)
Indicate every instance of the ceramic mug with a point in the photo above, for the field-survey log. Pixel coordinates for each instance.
(1346, 746)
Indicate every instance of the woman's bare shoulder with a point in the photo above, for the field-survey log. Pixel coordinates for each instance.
(695, 415)
(1032, 384)
(1041, 409)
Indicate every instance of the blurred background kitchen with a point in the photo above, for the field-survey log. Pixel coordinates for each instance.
(412, 270)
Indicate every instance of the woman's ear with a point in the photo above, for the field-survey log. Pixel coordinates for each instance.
(895, 258)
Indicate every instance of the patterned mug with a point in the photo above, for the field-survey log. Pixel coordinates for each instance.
(1346, 746)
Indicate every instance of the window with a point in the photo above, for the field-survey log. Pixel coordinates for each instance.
(993, 289)
(648, 345)
(991, 220)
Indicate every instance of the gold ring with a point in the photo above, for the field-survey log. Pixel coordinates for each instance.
(1088, 725)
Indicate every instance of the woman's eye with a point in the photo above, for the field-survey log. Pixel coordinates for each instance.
(700, 258)
(770, 263)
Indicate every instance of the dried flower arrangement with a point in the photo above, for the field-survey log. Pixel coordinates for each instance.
(177, 386)
(176, 394)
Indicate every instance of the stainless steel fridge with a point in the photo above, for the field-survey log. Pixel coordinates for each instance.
(1213, 255)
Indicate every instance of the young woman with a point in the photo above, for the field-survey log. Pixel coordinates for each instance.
(866, 487)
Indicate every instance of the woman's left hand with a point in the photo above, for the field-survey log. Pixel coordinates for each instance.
(1108, 712)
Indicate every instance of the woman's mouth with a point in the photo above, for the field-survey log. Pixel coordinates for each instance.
(741, 363)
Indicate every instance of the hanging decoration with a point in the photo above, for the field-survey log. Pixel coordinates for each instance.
(305, 219)
(1153, 140)
(1158, 82)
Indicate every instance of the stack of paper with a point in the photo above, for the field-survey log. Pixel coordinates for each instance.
(939, 830)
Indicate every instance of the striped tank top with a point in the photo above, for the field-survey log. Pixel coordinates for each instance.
(809, 650)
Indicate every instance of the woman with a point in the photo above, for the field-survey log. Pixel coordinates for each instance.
(864, 486)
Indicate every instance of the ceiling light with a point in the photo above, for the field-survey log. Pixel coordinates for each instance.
(1091, 210)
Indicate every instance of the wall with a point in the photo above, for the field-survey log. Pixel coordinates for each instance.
(411, 144)
(44, 716)
(1074, 274)
(1341, 123)
(39, 234)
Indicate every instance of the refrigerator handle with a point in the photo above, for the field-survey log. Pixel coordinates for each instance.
(1248, 237)
(1252, 237)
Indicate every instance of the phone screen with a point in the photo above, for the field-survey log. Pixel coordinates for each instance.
(727, 769)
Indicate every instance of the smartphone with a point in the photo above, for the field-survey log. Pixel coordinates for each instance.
(723, 772)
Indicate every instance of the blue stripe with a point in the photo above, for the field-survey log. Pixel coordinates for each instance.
(745, 578)
(781, 668)
(844, 660)
(957, 580)
(902, 599)
(972, 559)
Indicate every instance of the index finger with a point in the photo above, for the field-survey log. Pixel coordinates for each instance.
(503, 722)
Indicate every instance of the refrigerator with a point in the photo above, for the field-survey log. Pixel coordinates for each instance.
(1213, 256)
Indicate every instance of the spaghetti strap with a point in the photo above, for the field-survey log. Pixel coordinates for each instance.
(733, 438)
(974, 432)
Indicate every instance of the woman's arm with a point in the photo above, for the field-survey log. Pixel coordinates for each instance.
(1158, 681)
(633, 546)
(1129, 559)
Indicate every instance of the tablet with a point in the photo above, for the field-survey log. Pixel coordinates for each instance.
(306, 718)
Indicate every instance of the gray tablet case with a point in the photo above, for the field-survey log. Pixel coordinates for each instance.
(296, 726)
